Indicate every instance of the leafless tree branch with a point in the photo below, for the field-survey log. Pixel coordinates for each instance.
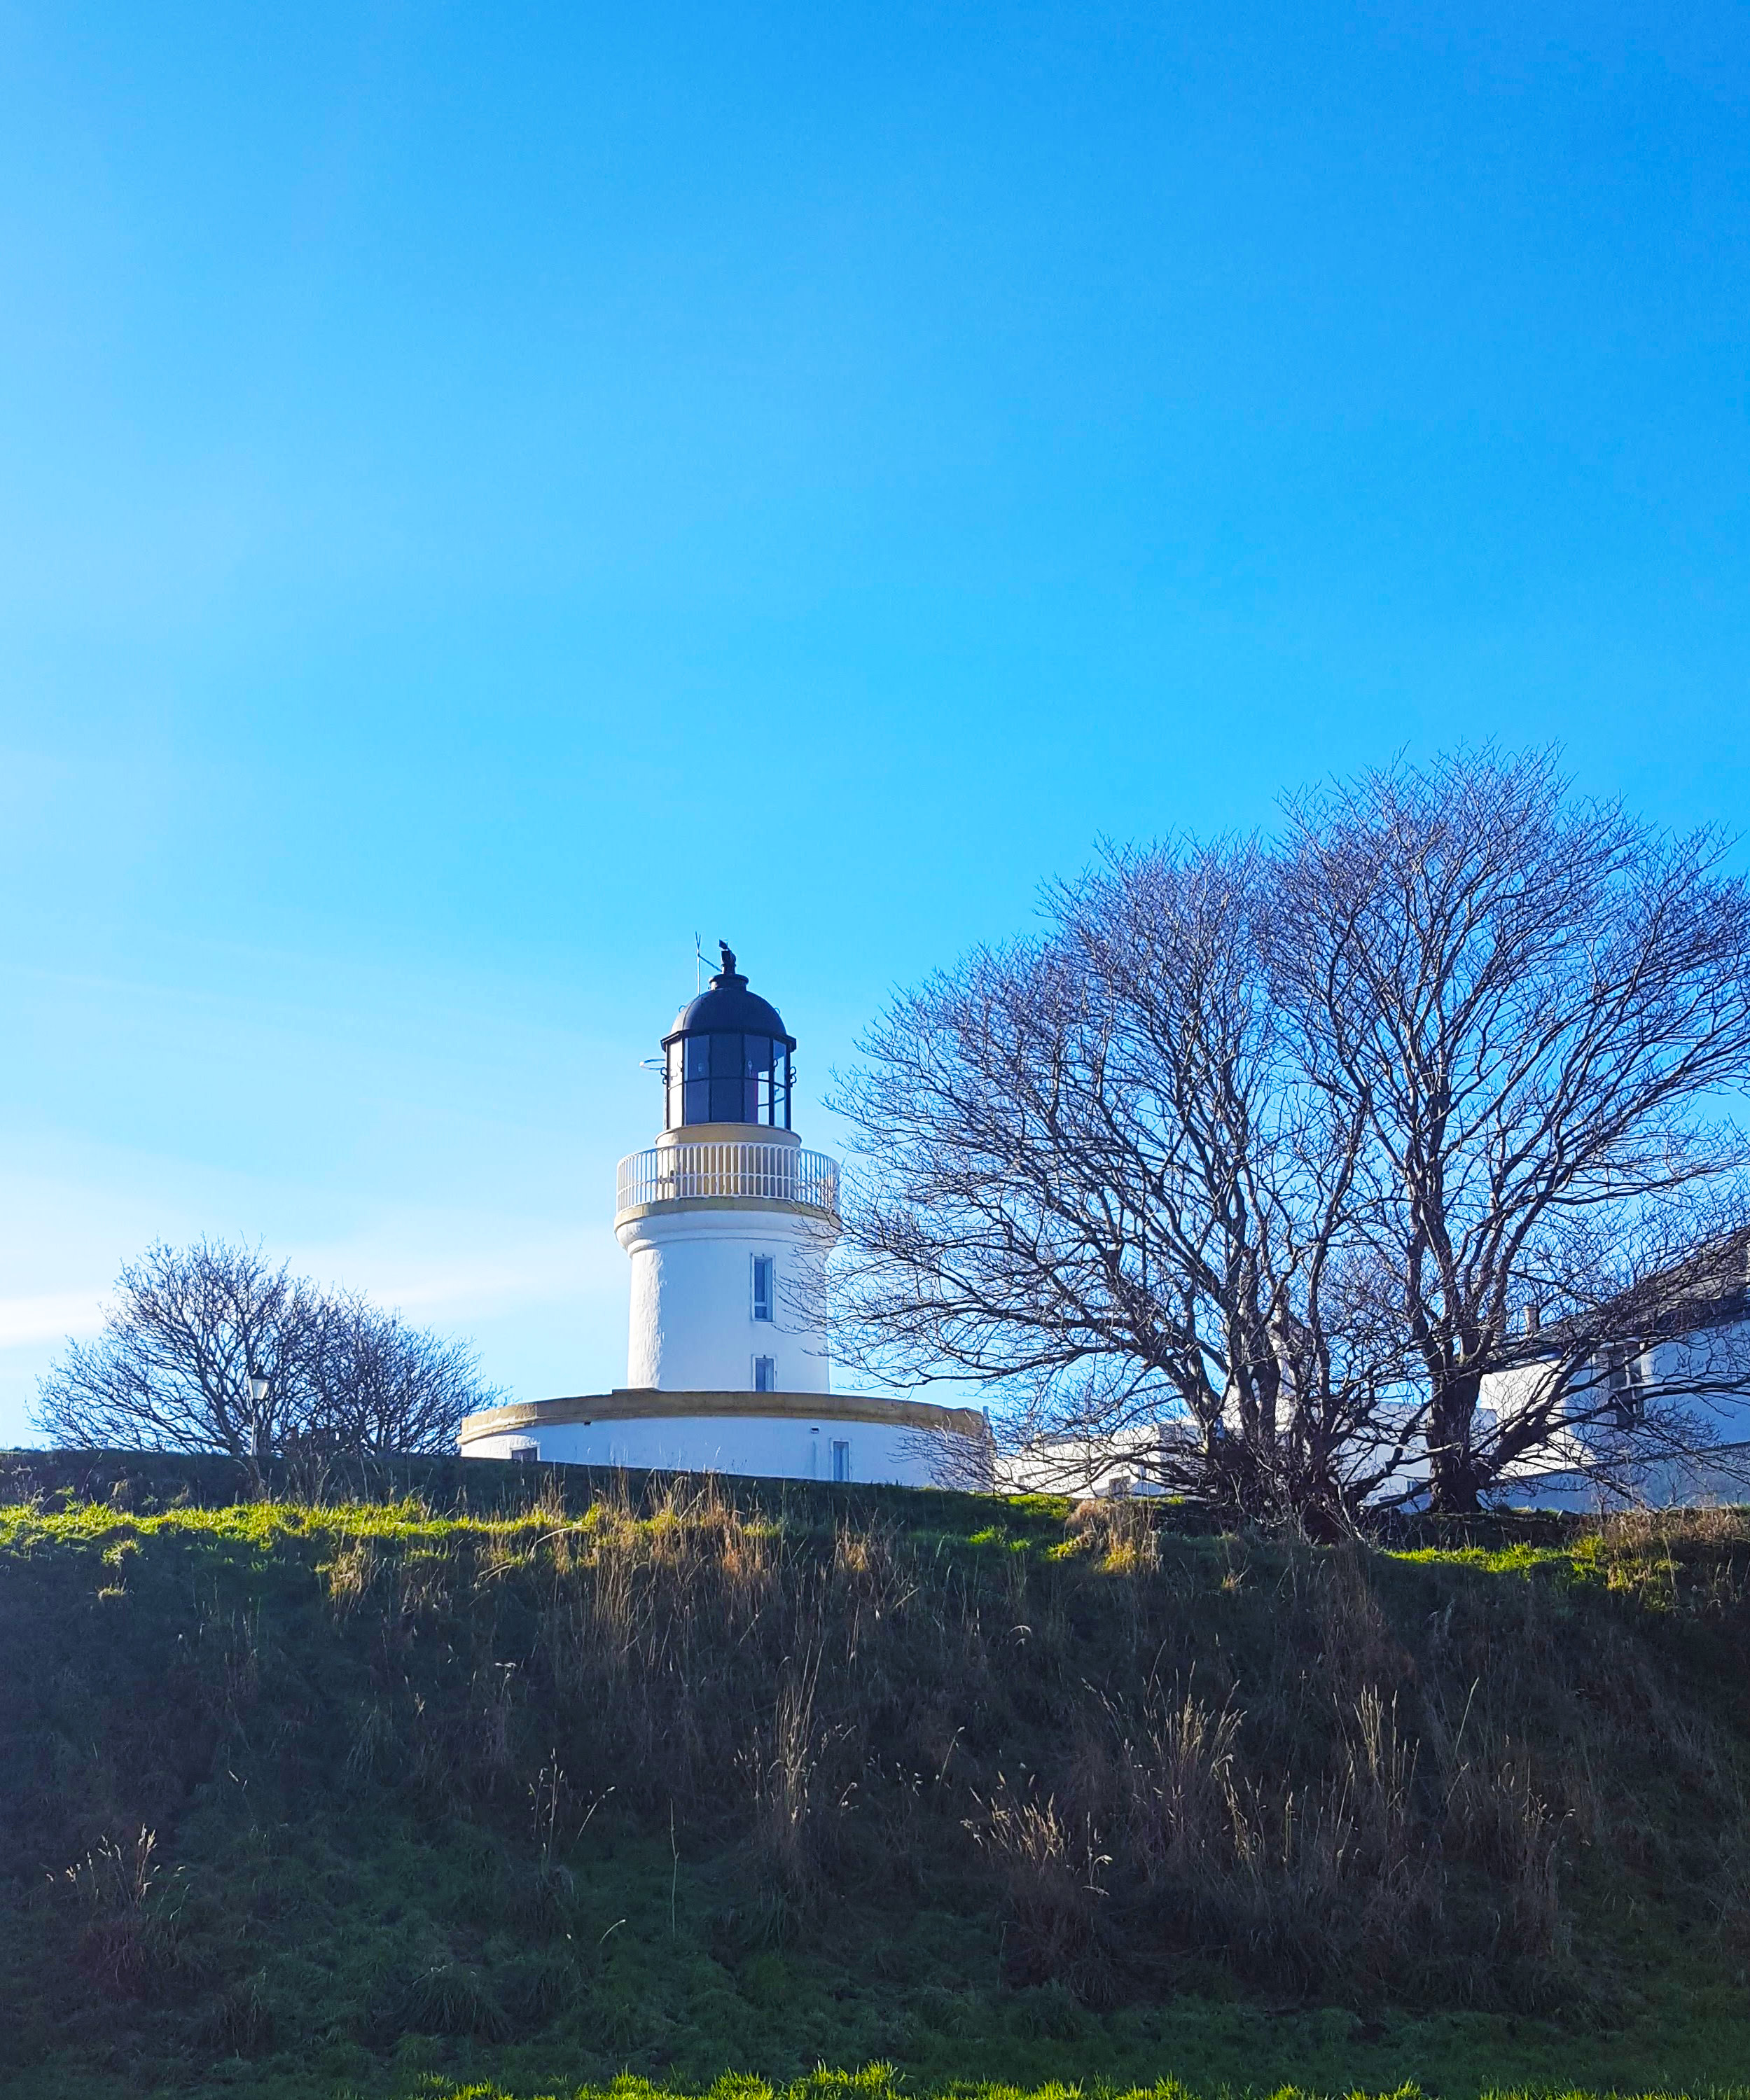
(208, 1348)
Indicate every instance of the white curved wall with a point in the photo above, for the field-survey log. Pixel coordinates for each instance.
(768, 1448)
(693, 1328)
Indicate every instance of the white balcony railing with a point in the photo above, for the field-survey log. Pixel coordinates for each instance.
(785, 1173)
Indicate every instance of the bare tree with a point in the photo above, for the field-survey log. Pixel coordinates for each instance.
(1091, 1184)
(1377, 1165)
(1526, 1003)
(382, 1387)
(208, 1348)
(204, 1349)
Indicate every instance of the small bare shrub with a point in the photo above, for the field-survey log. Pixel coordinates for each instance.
(1121, 1532)
(1052, 1870)
(787, 1762)
(1528, 1835)
(349, 1576)
(538, 1894)
(451, 1999)
(1175, 1761)
(130, 1905)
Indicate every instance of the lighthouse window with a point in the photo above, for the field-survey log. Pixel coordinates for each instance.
(764, 1286)
(697, 1051)
(729, 1088)
(765, 1375)
(728, 1079)
(841, 1461)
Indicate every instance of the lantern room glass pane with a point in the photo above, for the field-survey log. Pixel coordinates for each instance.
(728, 1079)
(697, 1089)
(756, 1078)
(725, 1078)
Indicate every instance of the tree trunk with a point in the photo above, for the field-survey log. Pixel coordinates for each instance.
(1455, 1479)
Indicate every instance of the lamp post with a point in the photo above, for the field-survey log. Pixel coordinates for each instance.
(258, 1385)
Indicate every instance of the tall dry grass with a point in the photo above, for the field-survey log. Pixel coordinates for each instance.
(128, 1902)
(1330, 1771)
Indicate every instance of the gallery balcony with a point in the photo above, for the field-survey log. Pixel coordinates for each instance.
(695, 1172)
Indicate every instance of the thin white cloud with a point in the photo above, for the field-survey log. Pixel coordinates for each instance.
(51, 1317)
(456, 1280)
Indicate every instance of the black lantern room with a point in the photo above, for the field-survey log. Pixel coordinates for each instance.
(727, 1058)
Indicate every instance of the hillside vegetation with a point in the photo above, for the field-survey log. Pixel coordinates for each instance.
(648, 1775)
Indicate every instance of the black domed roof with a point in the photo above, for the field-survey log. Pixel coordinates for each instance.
(729, 1009)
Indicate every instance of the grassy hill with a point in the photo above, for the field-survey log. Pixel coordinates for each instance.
(298, 1797)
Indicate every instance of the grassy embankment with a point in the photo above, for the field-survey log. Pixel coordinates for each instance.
(295, 1798)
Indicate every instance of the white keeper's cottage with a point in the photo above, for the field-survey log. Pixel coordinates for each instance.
(730, 1223)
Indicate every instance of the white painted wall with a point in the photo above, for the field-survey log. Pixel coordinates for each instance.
(1695, 1371)
(1721, 1476)
(768, 1448)
(1710, 1362)
(1118, 1464)
(693, 1328)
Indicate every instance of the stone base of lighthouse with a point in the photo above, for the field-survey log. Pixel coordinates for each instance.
(776, 1435)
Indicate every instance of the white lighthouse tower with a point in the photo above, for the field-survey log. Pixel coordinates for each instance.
(730, 1223)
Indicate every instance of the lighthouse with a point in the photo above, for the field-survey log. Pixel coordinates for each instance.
(730, 1222)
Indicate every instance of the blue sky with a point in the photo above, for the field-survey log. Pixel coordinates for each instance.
(485, 493)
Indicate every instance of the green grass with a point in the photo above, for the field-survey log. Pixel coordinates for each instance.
(523, 1797)
(883, 2082)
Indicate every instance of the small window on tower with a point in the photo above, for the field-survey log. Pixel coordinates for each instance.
(764, 1286)
(765, 1375)
(841, 1461)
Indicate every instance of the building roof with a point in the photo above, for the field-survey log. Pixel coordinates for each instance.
(1705, 1287)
